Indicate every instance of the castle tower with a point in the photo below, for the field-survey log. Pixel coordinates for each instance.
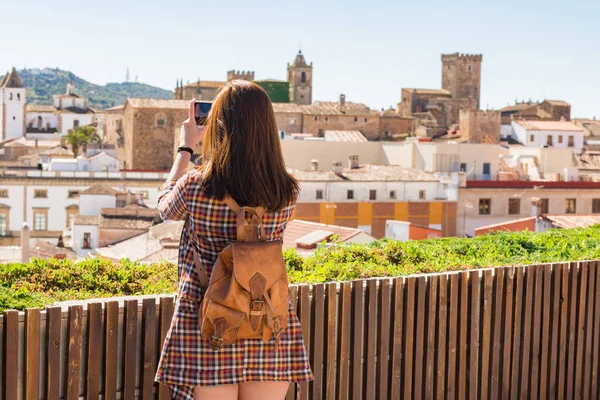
(461, 76)
(12, 106)
(300, 79)
(241, 75)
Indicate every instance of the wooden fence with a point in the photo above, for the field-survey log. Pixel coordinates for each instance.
(511, 333)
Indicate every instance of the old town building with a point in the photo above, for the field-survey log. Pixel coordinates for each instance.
(12, 106)
(548, 110)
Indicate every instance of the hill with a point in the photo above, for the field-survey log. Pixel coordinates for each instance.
(42, 84)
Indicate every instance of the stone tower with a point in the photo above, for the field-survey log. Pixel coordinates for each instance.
(12, 106)
(300, 79)
(461, 76)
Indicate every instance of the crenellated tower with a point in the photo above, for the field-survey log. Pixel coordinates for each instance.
(461, 76)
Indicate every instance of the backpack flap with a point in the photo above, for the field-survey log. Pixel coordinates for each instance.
(262, 258)
(220, 324)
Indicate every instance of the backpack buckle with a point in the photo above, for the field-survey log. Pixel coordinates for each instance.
(216, 342)
(256, 307)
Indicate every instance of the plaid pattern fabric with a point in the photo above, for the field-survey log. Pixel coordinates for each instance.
(187, 360)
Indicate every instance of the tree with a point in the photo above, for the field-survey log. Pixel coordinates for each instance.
(81, 136)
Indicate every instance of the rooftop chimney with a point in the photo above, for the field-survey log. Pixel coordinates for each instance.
(342, 100)
(337, 167)
(353, 162)
(314, 165)
(25, 243)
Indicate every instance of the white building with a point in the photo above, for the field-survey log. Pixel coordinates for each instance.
(12, 106)
(67, 112)
(101, 162)
(559, 134)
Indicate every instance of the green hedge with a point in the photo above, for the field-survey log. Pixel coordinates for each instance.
(41, 282)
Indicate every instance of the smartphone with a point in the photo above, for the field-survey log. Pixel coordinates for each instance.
(202, 108)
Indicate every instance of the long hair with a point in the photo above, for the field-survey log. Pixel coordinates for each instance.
(241, 153)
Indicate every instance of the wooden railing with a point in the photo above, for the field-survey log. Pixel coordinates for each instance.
(512, 332)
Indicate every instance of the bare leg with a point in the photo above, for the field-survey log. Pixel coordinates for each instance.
(263, 390)
(223, 392)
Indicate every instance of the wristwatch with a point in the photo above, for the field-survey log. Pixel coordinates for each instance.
(183, 148)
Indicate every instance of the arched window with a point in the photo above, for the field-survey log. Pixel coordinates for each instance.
(18, 96)
(303, 77)
(10, 97)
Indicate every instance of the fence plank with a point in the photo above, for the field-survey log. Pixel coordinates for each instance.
(589, 327)
(149, 345)
(440, 340)
(53, 344)
(166, 315)
(452, 313)
(420, 335)
(371, 332)
(526, 337)
(111, 326)
(357, 339)
(474, 299)
(74, 352)
(32, 353)
(546, 317)
(564, 333)
(409, 334)
(11, 353)
(330, 349)
(580, 338)
(516, 332)
(508, 329)
(293, 293)
(303, 388)
(596, 333)
(344, 341)
(383, 339)
(318, 331)
(430, 331)
(463, 359)
(536, 330)
(555, 306)
(94, 363)
(486, 332)
(129, 348)
(571, 350)
(496, 323)
(398, 337)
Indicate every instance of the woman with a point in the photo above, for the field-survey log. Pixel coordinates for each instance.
(241, 157)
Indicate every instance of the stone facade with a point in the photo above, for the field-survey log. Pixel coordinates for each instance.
(300, 79)
(480, 126)
(557, 109)
(461, 76)
(548, 110)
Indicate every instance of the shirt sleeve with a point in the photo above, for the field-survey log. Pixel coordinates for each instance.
(172, 203)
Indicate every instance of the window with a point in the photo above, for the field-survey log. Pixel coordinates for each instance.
(160, 122)
(40, 193)
(73, 194)
(10, 96)
(75, 123)
(292, 121)
(72, 211)
(326, 119)
(549, 140)
(392, 194)
(544, 206)
(350, 194)
(3, 192)
(485, 206)
(145, 194)
(316, 118)
(570, 206)
(470, 68)
(596, 206)
(532, 138)
(366, 120)
(319, 195)
(3, 222)
(40, 218)
(18, 96)
(463, 167)
(571, 141)
(303, 77)
(372, 194)
(105, 168)
(47, 125)
(355, 119)
(560, 138)
(514, 206)
(421, 194)
(87, 240)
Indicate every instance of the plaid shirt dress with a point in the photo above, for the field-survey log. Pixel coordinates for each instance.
(187, 359)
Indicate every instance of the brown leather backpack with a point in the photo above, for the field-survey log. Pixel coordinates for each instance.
(247, 295)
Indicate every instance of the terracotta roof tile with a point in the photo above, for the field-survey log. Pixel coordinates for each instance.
(344, 136)
(367, 173)
(573, 221)
(40, 108)
(206, 84)
(159, 103)
(298, 229)
(564, 126)
(11, 80)
(99, 189)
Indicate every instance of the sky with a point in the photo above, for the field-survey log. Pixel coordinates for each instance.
(367, 50)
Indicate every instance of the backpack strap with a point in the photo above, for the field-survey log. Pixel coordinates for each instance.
(242, 222)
